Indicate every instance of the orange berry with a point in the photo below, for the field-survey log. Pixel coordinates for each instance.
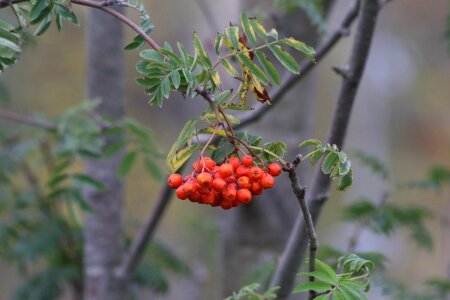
(267, 181)
(234, 161)
(242, 171)
(218, 184)
(226, 170)
(247, 160)
(274, 169)
(257, 188)
(209, 163)
(195, 197)
(226, 204)
(229, 194)
(255, 173)
(244, 196)
(189, 187)
(209, 198)
(204, 179)
(180, 193)
(232, 185)
(175, 181)
(244, 182)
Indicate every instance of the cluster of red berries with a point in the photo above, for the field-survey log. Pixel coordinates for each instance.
(228, 185)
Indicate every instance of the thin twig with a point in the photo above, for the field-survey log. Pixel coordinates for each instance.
(16, 117)
(317, 195)
(299, 192)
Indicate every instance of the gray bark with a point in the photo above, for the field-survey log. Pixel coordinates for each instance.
(103, 227)
(251, 235)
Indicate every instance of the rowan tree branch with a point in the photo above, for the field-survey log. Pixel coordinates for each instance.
(19, 118)
(299, 192)
(294, 250)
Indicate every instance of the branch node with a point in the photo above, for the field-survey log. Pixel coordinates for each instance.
(343, 71)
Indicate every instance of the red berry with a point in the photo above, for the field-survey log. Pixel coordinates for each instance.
(209, 163)
(189, 187)
(267, 181)
(209, 198)
(205, 179)
(234, 161)
(257, 188)
(242, 171)
(255, 173)
(195, 197)
(219, 184)
(244, 196)
(247, 160)
(180, 193)
(226, 170)
(229, 194)
(274, 169)
(175, 181)
(226, 204)
(244, 182)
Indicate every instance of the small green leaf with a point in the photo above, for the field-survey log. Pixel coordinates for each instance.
(156, 99)
(310, 142)
(316, 286)
(165, 87)
(342, 156)
(37, 10)
(268, 67)
(176, 79)
(127, 163)
(320, 276)
(43, 26)
(329, 162)
(152, 55)
(8, 44)
(344, 168)
(90, 181)
(218, 40)
(326, 269)
(300, 46)
(346, 181)
(315, 156)
(232, 33)
(248, 30)
(223, 97)
(259, 29)
(285, 59)
(229, 68)
(177, 161)
(254, 69)
(185, 137)
(200, 50)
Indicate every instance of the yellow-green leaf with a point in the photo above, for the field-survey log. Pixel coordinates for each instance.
(254, 69)
(218, 40)
(259, 29)
(229, 68)
(300, 46)
(200, 50)
(285, 59)
(268, 67)
(248, 30)
(176, 161)
(232, 33)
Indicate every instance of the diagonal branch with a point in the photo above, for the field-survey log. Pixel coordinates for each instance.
(299, 192)
(295, 248)
(16, 117)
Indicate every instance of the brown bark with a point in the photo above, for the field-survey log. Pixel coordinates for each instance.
(103, 227)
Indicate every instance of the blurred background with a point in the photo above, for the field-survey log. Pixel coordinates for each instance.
(401, 116)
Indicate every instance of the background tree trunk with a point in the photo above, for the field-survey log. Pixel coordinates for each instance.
(103, 227)
(256, 234)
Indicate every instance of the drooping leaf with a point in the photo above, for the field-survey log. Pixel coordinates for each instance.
(200, 50)
(248, 30)
(268, 67)
(254, 69)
